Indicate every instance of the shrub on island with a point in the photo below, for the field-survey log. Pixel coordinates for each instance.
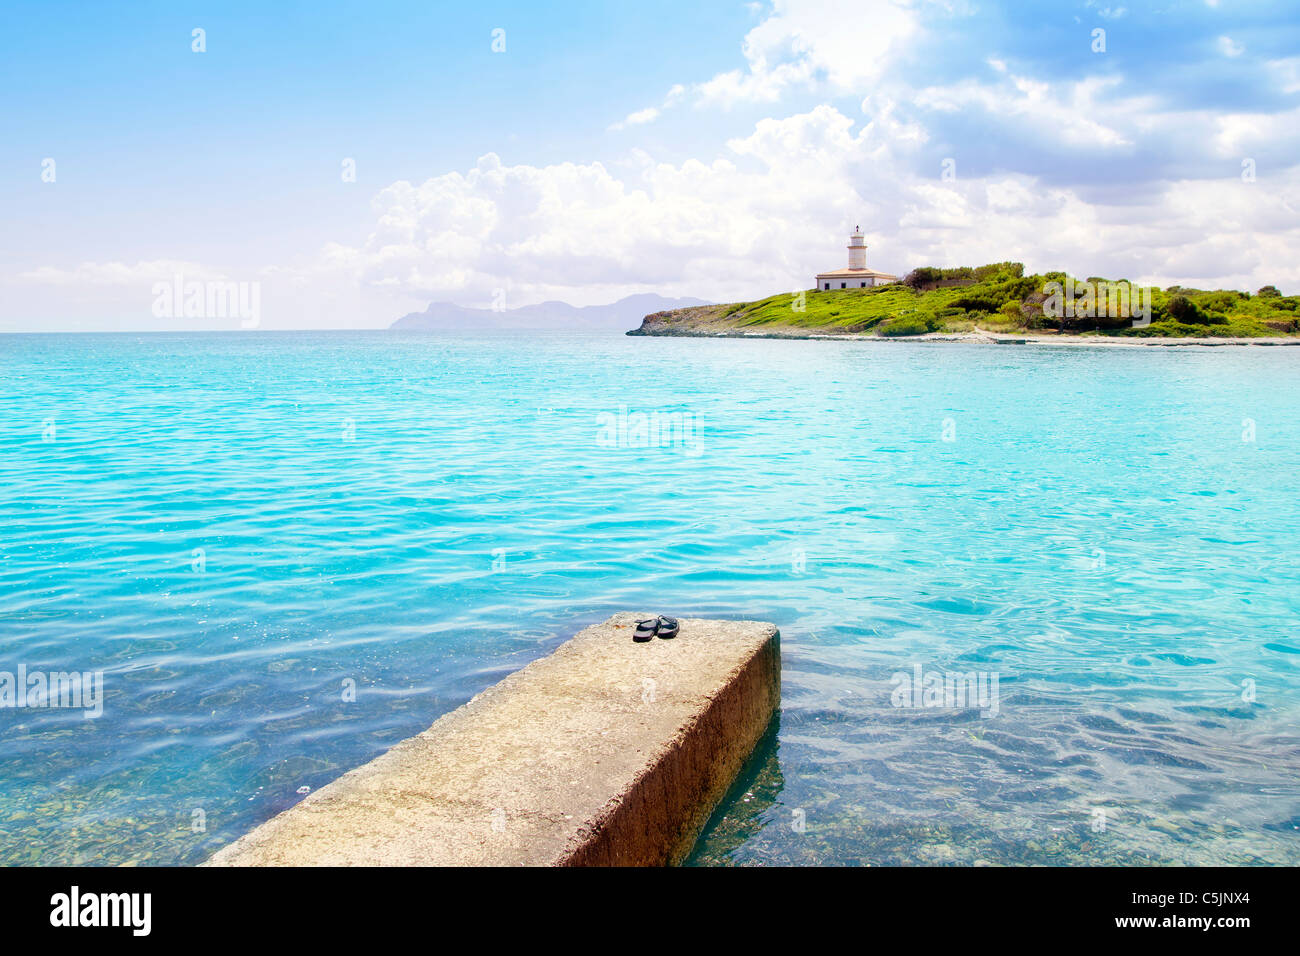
(914, 323)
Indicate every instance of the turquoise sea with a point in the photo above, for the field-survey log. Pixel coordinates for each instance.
(237, 528)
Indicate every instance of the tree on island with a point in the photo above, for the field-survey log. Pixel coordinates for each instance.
(1182, 309)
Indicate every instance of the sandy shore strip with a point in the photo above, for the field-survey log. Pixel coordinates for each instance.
(982, 337)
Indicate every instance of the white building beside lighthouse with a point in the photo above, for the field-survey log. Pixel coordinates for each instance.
(857, 275)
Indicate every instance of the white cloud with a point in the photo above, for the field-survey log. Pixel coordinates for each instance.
(1238, 135)
(142, 273)
(1070, 112)
(772, 209)
(803, 43)
(638, 118)
(1229, 47)
(651, 113)
(767, 211)
(582, 232)
(1288, 73)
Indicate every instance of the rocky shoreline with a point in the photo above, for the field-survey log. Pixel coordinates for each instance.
(709, 322)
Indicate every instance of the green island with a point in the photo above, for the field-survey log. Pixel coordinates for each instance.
(995, 299)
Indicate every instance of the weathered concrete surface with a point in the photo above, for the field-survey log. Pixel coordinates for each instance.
(606, 752)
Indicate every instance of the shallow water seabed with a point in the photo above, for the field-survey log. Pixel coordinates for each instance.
(1042, 782)
(240, 530)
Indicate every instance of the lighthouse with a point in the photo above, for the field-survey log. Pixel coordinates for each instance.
(857, 275)
(857, 249)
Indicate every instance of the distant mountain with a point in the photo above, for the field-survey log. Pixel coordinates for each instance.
(617, 316)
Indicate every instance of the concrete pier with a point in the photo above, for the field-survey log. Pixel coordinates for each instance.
(604, 753)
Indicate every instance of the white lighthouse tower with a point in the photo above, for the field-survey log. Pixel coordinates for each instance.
(857, 275)
(857, 249)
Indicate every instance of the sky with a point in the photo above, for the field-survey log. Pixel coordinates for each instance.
(347, 163)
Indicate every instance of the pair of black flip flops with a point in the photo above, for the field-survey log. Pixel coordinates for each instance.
(665, 627)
